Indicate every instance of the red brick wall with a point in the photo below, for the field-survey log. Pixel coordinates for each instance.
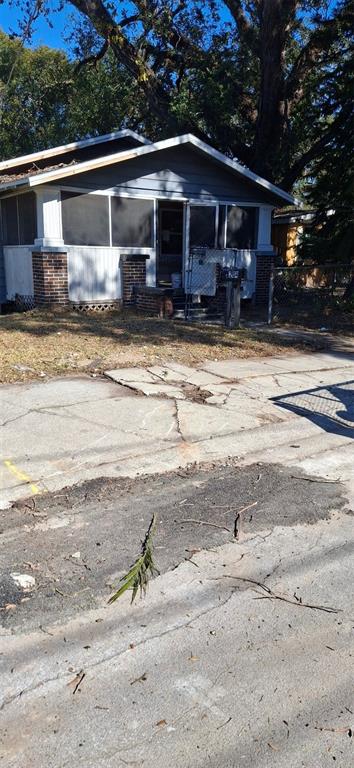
(151, 301)
(264, 266)
(50, 278)
(133, 274)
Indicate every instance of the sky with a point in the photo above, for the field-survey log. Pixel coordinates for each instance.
(44, 34)
(55, 36)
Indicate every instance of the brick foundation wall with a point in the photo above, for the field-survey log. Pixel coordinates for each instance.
(50, 278)
(264, 266)
(153, 301)
(133, 274)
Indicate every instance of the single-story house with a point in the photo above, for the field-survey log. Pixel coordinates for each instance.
(287, 229)
(115, 218)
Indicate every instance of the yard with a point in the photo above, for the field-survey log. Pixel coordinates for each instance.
(37, 344)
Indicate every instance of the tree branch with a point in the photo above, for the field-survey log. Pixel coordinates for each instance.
(315, 150)
(95, 58)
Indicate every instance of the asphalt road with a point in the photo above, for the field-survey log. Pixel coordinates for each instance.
(241, 654)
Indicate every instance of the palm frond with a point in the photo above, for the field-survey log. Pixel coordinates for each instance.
(141, 571)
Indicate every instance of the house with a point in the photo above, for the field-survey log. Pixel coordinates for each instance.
(287, 229)
(117, 217)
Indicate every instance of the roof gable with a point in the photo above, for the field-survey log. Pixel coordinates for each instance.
(74, 169)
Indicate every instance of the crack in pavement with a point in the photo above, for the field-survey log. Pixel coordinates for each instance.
(45, 408)
(118, 654)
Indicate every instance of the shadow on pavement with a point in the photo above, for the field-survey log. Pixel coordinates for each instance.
(330, 407)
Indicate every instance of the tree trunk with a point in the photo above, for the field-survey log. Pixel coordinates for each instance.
(275, 16)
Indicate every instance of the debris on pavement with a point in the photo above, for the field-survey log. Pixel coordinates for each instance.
(24, 581)
(77, 680)
(144, 567)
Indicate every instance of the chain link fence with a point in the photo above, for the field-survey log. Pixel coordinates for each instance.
(310, 295)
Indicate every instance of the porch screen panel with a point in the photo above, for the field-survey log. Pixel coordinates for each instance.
(202, 226)
(221, 226)
(9, 221)
(132, 222)
(85, 219)
(241, 227)
(27, 218)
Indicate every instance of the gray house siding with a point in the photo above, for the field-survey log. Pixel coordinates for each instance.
(2, 277)
(179, 172)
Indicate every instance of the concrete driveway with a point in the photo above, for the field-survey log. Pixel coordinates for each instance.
(242, 652)
(137, 421)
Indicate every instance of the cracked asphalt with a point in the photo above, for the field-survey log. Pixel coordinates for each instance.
(241, 654)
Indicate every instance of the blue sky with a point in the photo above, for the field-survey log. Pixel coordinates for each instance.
(44, 34)
(55, 36)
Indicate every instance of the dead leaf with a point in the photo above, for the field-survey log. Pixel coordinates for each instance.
(10, 606)
(161, 722)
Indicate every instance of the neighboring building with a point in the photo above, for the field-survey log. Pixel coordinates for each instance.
(88, 222)
(287, 230)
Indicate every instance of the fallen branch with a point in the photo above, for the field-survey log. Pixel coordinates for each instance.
(203, 522)
(249, 506)
(274, 596)
(144, 567)
(315, 479)
(238, 519)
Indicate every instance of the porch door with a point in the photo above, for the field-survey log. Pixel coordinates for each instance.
(170, 241)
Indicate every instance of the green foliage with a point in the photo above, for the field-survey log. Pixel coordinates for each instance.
(329, 186)
(45, 100)
(138, 576)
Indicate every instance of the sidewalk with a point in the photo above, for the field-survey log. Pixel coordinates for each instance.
(149, 420)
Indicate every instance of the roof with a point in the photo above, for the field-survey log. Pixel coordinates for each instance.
(294, 215)
(39, 176)
(75, 146)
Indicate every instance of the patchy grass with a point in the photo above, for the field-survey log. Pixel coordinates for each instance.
(44, 343)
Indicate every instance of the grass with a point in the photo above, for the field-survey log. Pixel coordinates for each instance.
(39, 344)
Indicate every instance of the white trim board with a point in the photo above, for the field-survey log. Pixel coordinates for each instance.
(64, 148)
(188, 138)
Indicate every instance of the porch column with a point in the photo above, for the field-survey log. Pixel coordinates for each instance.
(265, 255)
(49, 229)
(264, 242)
(50, 278)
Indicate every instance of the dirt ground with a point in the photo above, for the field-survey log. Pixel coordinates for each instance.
(37, 344)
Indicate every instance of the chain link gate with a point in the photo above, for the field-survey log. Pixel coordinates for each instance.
(208, 272)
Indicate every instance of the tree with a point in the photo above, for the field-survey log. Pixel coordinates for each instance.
(46, 100)
(330, 186)
(247, 82)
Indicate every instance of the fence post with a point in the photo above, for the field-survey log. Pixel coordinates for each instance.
(233, 303)
(271, 296)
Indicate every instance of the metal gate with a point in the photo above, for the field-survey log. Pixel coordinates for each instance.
(204, 274)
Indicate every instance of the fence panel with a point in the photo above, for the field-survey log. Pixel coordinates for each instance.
(308, 294)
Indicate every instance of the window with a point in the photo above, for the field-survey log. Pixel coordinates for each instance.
(241, 227)
(19, 219)
(132, 222)
(27, 218)
(9, 221)
(85, 219)
(202, 226)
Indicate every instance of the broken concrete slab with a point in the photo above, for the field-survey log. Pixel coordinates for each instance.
(127, 375)
(165, 373)
(157, 388)
(201, 422)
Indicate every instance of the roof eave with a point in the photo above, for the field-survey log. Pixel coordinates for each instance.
(88, 165)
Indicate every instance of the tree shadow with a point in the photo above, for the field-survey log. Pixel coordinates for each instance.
(330, 407)
(127, 327)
